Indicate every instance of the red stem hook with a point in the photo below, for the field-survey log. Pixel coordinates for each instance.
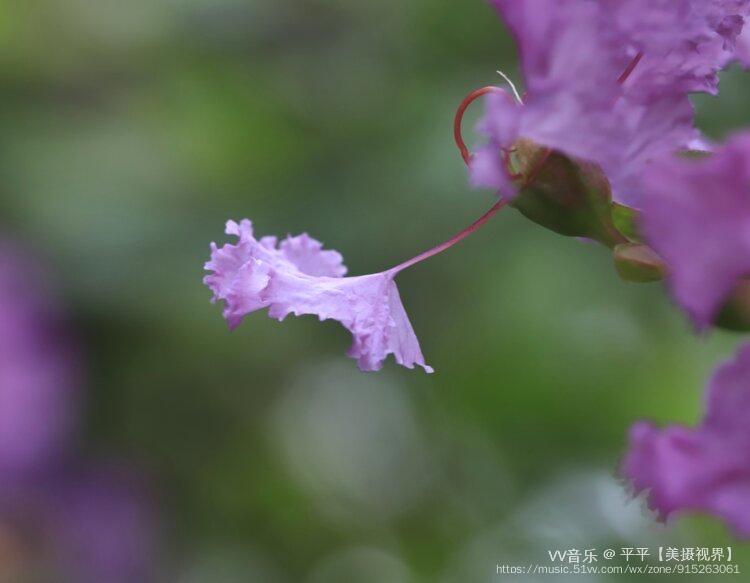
(457, 121)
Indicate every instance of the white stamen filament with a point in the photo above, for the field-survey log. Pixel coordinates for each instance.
(512, 86)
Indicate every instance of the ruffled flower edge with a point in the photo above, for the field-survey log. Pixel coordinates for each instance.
(297, 276)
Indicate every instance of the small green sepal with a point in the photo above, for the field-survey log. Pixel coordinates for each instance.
(626, 221)
(638, 263)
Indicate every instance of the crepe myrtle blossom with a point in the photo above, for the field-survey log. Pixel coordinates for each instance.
(607, 81)
(705, 469)
(696, 216)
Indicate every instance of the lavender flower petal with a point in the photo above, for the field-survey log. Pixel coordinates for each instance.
(706, 469)
(696, 215)
(298, 277)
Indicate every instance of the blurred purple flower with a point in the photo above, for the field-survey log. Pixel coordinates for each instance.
(696, 215)
(101, 525)
(96, 521)
(706, 469)
(607, 81)
(39, 373)
(298, 277)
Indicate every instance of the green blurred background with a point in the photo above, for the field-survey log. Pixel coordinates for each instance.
(132, 130)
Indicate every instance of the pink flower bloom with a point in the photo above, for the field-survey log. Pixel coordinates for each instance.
(706, 469)
(696, 215)
(298, 277)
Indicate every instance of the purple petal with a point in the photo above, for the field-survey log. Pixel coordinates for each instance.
(696, 215)
(487, 170)
(299, 278)
(646, 132)
(308, 256)
(686, 42)
(705, 469)
(742, 53)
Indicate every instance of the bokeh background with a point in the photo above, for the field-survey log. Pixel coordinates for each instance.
(131, 131)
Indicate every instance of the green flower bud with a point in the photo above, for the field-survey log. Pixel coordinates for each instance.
(568, 196)
(638, 263)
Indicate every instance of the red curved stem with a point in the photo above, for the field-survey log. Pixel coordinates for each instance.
(457, 121)
(466, 155)
(453, 240)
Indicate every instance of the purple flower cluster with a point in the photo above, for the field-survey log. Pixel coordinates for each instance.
(91, 519)
(606, 105)
(608, 81)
